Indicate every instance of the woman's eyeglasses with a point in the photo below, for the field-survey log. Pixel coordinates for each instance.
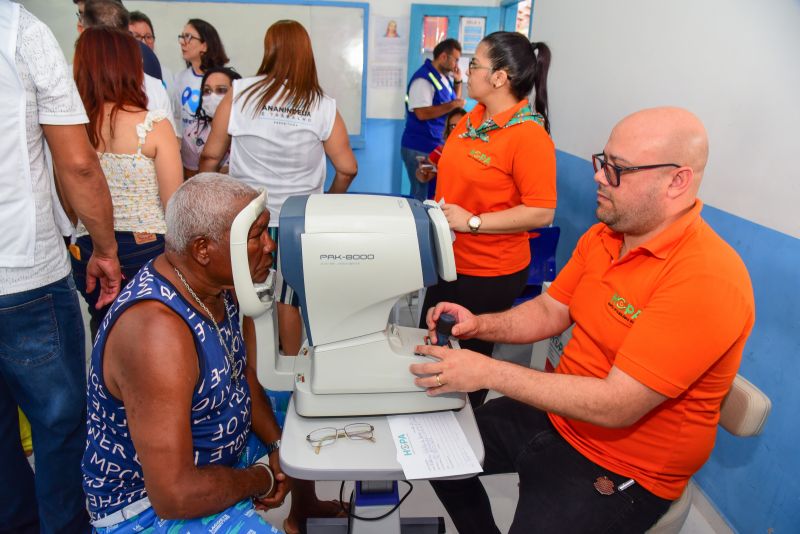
(325, 436)
(187, 38)
(473, 65)
(220, 90)
(147, 38)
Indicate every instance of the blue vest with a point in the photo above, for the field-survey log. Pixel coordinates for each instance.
(220, 418)
(427, 135)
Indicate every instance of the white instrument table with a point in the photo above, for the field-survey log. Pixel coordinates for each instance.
(348, 459)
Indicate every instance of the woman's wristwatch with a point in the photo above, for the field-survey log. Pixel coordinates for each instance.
(474, 223)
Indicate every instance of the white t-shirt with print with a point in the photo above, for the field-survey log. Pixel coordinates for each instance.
(187, 98)
(278, 147)
(51, 98)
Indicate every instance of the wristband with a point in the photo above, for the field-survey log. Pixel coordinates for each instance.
(261, 463)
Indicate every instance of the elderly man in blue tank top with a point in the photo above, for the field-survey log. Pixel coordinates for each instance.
(181, 437)
(430, 96)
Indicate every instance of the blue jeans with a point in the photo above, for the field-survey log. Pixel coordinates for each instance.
(418, 189)
(556, 491)
(43, 371)
(131, 258)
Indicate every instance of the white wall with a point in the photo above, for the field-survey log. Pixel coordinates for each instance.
(241, 27)
(735, 63)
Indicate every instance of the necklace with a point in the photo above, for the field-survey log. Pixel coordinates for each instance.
(228, 354)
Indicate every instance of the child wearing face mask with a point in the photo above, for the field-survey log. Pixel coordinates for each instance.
(216, 83)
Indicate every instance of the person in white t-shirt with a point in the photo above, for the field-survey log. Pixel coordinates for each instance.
(42, 361)
(279, 127)
(202, 49)
(217, 82)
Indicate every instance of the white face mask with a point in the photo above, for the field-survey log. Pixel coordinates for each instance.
(210, 103)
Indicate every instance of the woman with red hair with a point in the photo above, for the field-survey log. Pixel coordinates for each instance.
(137, 152)
(280, 127)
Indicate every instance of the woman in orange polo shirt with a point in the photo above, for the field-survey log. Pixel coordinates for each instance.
(497, 178)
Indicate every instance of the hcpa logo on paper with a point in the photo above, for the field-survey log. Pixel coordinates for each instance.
(405, 445)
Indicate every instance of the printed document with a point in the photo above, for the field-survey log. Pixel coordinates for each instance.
(432, 445)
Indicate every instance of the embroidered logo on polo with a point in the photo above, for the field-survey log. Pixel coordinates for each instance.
(485, 159)
(627, 311)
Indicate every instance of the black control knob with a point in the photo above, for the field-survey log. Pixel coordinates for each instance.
(444, 327)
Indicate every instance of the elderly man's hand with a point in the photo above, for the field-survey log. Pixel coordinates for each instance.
(457, 370)
(282, 486)
(466, 326)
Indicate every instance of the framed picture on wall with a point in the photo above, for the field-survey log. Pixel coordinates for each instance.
(434, 30)
(470, 32)
(524, 18)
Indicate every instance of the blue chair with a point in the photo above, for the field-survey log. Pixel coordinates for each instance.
(543, 243)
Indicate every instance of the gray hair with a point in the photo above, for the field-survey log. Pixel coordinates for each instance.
(204, 205)
(110, 13)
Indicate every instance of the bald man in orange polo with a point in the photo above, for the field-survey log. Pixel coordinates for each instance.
(661, 308)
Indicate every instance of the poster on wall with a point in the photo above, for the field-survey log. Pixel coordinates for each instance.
(390, 40)
(523, 25)
(434, 30)
(470, 32)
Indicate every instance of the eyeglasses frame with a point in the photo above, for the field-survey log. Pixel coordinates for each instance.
(600, 161)
(338, 433)
(474, 66)
(216, 91)
(148, 37)
(187, 37)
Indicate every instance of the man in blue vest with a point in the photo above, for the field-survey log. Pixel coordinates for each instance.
(430, 96)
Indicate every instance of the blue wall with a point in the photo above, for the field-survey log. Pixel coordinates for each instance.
(379, 163)
(753, 482)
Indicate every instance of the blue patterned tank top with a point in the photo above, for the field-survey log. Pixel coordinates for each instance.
(220, 418)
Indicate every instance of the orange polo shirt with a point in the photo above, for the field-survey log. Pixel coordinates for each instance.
(673, 314)
(517, 166)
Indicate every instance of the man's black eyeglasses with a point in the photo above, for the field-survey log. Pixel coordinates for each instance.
(613, 172)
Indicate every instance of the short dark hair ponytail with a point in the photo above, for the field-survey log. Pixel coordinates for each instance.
(527, 65)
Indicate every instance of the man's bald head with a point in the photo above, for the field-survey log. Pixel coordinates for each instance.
(671, 147)
(664, 135)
